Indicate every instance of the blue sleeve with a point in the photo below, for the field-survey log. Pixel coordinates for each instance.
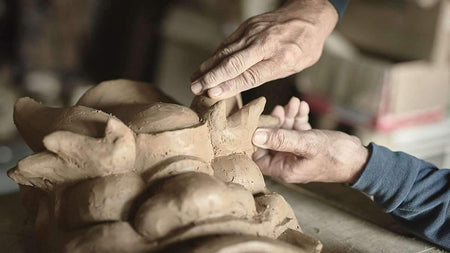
(415, 192)
(340, 6)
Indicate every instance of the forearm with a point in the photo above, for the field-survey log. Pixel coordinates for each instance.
(415, 192)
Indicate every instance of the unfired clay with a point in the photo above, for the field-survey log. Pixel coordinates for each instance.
(126, 170)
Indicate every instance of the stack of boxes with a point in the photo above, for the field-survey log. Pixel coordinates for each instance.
(386, 73)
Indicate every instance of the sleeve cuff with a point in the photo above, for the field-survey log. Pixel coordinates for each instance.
(388, 176)
(340, 6)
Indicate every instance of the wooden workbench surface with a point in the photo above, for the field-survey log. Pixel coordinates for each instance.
(346, 225)
(342, 219)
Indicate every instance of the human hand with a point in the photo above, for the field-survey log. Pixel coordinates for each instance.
(294, 115)
(267, 47)
(302, 156)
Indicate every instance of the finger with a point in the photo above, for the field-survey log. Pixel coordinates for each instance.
(258, 74)
(301, 143)
(304, 109)
(259, 153)
(227, 47)
(247, 29)
(231, 67)
(215, 59)
(305, 127)
(291, 110)
(302, 119)
(277, 165)
(264, 164)
(302, 124)
(237, 34)
(278, 112)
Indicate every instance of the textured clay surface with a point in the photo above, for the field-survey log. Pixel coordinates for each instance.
(128, 170)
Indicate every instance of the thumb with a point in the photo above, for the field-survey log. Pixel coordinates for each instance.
(301, 143)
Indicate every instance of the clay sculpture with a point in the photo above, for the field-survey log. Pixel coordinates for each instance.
(134, 172)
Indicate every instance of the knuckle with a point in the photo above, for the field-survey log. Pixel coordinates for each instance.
(270, 44)
(252, 20)
(251, 77)
(233, 64)
(278, 140)
(294, 49)
(224, 52)
(286, 56)
(270, 39)
(315, 139)
(228, 87)
(258, 27)
(290, 54)
(252, 39)
(203, 67)
(209, 79)
(297, 23)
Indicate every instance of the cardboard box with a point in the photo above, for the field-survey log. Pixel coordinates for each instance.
(381, 94)
(429, 142)
(404, 30)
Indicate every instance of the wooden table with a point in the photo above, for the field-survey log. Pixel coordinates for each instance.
(343, 219)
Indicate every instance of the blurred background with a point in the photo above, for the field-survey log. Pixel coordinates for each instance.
(384, 74)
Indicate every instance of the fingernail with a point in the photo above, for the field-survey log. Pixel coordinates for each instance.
(196, 87)
(215, 92)
(260, 137)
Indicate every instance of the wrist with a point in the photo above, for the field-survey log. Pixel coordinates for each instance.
(316, 12)
(361, 158)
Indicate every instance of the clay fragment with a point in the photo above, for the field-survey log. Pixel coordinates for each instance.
(154, 118)
(306, 243)
(74, 157)
(163, 117)
(187, 198)
(273, 207)
(177, 165)
(152, 149)
(239, 169)
(100, 199)
(233, 134)
(201, 104)
(122, 92)
(34, 121)
(268, 121)
(274, 216)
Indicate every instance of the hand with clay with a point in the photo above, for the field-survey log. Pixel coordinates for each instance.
(297, 154)
(267, 47)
